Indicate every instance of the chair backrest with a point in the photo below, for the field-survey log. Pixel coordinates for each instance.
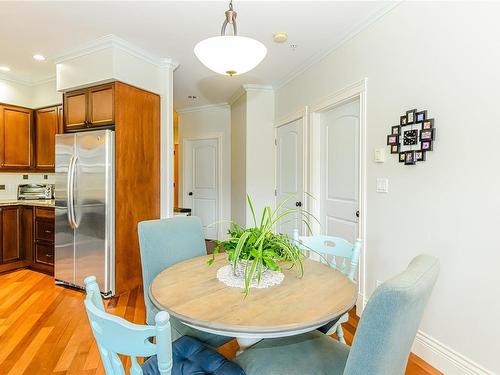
(164, 243)
(335, 251)
(390, 320)
(115, 335)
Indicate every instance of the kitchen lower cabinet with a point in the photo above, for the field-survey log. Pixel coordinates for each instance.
(44, 253)
(26, 233)
(44, 223)
(27, 238)
(10, 227)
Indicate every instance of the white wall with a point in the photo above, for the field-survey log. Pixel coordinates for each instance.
(252, 152)
(45, 94)
(260, 148)
(30, 96)
(443, 57)
(238, 160)
(15, 93)
(206, 123)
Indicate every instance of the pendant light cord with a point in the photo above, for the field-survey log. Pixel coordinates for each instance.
(230, 19)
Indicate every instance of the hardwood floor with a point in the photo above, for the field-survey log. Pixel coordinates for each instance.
(44, 328)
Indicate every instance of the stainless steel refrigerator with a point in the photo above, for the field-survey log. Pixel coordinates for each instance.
(84, 192)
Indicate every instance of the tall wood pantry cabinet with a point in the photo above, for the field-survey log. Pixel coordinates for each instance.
(134, 114)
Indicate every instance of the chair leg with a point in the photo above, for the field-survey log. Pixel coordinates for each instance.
(340, 333)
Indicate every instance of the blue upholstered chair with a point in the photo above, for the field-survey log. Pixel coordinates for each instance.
(164, 243)
(339, 254)
(114, 335)
(382, 342)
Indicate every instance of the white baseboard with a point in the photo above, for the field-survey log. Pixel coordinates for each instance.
(444, 358)
(436, 353)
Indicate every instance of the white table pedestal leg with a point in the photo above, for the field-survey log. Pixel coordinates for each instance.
(246, 342)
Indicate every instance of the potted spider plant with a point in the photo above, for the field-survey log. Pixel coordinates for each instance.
(252, 250)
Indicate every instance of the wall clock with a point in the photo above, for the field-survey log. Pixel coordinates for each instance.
(413, 137)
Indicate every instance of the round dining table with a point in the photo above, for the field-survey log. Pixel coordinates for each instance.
(191, 292)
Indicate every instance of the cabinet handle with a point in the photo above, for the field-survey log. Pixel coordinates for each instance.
(48, 231)
(49, 255)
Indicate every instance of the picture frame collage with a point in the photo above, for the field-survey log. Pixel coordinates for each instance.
(413, 137)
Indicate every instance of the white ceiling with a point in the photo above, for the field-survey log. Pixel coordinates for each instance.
(172, 28)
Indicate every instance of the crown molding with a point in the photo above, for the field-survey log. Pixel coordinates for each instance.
(253, 87)
(246, 88)
(44, 80)
(169, 63)
(14, 79)
(236, 95)
(322, 55)
(203, 108)
(29, 83)
(112, 41)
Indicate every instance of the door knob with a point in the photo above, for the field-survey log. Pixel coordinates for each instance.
(298, 204)
(357, 213)
(190, 193)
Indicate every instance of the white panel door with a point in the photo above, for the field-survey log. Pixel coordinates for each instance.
(340, 171)
(201, 182)
(289, 172)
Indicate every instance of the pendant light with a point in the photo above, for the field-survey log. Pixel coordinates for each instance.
(230, 54)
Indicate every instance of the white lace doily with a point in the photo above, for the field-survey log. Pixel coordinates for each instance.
(269, 278)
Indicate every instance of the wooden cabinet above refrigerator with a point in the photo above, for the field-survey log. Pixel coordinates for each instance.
(89, 108)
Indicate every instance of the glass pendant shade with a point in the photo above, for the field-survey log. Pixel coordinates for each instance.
(230, 55)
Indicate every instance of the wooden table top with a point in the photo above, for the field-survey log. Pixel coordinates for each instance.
(191, 292)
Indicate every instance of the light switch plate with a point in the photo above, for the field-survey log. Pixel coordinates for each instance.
(379, 155)
(382, 185)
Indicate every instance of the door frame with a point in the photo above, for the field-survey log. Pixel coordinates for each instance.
(358, 91)
(217, 137)
(285, 120)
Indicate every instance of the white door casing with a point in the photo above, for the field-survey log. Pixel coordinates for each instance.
(202, 182)
(316, 175)
(290, 171)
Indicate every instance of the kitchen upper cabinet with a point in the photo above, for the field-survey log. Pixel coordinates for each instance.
(10, 228)
(75, 110)
(88, 108)
(101, 106)
(16, 137)
(60, 119)
(46, 128)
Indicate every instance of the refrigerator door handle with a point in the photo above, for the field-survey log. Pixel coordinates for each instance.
(73, 212)
(69, 191)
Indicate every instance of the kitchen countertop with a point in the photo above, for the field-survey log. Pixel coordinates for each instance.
(33, 203)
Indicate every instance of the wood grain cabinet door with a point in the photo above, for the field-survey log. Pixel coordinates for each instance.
(11, 249)
(46, 126)
(16, 137)
(26, 233)
(75, 110)
(101, 105)
(60, 120)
